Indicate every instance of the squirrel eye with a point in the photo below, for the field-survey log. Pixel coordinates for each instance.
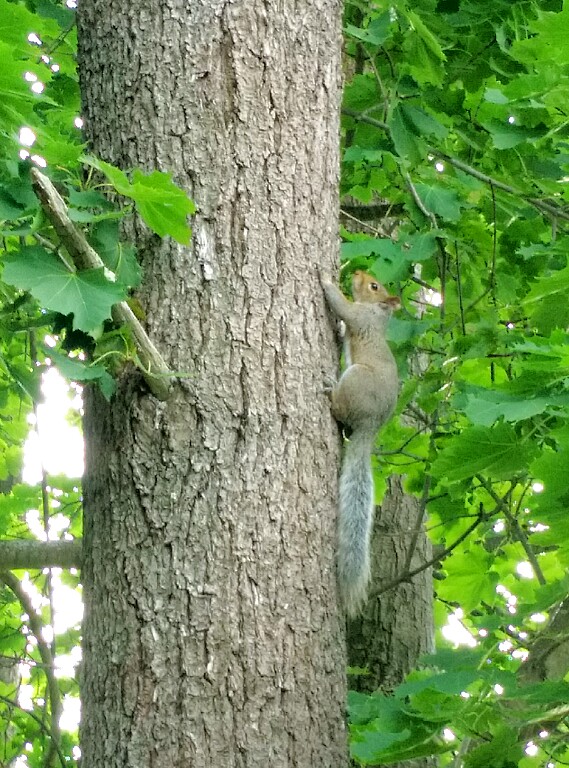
(374, 286)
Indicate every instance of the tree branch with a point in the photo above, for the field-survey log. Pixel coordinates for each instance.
(360, 117)
(418, 202)
(549, 652)
(155, 371)
(28, 553)
(408, 575)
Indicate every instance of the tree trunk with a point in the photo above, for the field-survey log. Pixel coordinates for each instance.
(212, 634)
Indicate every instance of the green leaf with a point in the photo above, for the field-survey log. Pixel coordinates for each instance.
(548, 285)
(163, 206)
(442, 202)
(119, 257)
(361, 93)
(61, 152)
(16, 22)
(503, 751)
(470, 579)
(407, 144)
(76, 370)
(89, 198)
(550, 43)
(9, 208)
(87, 295)
(454, 659)
(424, 54)
(356, 154)
(371, 749)
(506, 135)
(426, 35)
(445, 682)
(496, 451)
(546, 692)
(423, 246)
(376, 33)
(363, 246)
(495, 96)
(49, 9)
(485, 406)
(118, 178)
(423, 123)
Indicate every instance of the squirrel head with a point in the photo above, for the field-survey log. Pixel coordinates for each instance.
(367, 290)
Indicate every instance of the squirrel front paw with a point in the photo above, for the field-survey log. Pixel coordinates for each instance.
(324, 277)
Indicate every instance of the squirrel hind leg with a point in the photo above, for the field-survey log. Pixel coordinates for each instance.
(331, 388)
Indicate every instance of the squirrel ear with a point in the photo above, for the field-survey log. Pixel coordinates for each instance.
(357, 279)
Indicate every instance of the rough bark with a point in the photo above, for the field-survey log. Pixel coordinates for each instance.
(212, 634)
(397, 627)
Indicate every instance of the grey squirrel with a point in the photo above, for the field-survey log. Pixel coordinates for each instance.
(362, 400)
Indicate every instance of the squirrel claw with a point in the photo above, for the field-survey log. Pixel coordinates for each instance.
(329, 382)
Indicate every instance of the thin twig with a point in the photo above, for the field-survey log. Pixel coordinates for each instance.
(550, 208)
(520, 534)
(494, 245)
(418, 202)
(362, 118)
(57, 42)
(384, 92)
(404, 445)
(419, 521)
(374, 230)
(43, 241)
(440, 556)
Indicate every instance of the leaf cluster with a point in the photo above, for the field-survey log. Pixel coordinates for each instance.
(39, 108)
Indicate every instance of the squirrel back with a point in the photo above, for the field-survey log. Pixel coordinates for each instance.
(362, 401)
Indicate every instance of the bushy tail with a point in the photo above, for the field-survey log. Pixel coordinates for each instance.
(356, 513)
